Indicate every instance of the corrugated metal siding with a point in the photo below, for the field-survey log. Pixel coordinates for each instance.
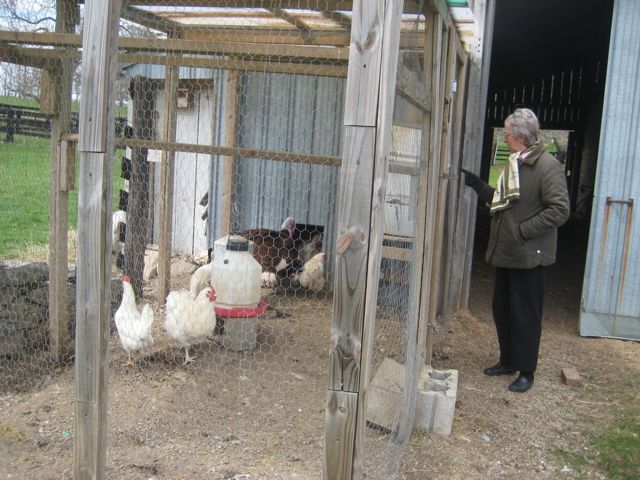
(611, 292)
(288, 113)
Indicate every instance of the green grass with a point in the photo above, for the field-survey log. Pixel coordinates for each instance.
(614, 452)
(19, 102)
(25, 193)
(610, 448)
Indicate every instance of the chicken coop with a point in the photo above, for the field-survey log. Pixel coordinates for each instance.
(319, 140)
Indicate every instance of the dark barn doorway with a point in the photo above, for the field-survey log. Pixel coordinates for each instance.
(551, 56)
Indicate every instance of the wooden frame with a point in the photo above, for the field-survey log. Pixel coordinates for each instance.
(94, 240)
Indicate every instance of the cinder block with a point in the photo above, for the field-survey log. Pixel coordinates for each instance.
(436, 401)
(571, 376)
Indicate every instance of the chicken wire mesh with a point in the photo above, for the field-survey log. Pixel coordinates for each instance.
(245, 106)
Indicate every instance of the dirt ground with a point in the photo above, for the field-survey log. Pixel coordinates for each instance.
(233, 415)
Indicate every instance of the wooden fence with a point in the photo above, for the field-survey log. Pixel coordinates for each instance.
(20, 120)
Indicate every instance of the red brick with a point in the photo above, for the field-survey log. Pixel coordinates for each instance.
(571, 376)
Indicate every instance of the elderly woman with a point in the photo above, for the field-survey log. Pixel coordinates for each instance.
(528, 204)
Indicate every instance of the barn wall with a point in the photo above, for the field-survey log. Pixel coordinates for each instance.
(302, 114)
(611, 291)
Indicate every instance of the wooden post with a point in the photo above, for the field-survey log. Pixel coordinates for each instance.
(453, 192)
(480, 59)
(169, 119)
(430, 152)
(96, 147)
(59, 89)
(375, 37)
(143, 93)
(231, 108)
(441, 157)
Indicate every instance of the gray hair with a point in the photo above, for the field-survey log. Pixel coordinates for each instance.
(524, 124)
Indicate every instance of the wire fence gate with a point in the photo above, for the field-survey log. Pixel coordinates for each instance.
(225, 200)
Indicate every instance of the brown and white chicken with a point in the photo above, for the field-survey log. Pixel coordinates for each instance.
(134, 326)
(189, 321)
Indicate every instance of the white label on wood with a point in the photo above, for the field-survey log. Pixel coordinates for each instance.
(154, 156)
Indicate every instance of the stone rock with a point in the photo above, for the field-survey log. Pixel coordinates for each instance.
(24, 275)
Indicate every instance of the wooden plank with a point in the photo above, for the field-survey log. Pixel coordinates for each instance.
(48, 93)
(148, 19)
(369, 106)
(453, 194)
(169, 119)
(303, 30)
(94, 239)
(474, 126)
(443, 159)
(60, 344)
(397, 253)
(351, 258)
(175, 46)
(143, 94)
(230, 151)
(430, 144)
(340, 18)
(266, 66)
(364, 65)
(31, 57)
(413, 6)
(384, 121)
(67, 166)
(411, 87)
(340, 415)
(246, 153)
(232, 107)
(97, 72)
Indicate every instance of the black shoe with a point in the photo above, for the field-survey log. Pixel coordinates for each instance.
(498, 369)
(521, 384)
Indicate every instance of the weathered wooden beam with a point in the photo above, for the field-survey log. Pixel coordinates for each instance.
(369, 95)
(245, 152)
(180, 46)
(340, 18)
(232, 109)
(291, 4)
(474, 125)
(326, 70)
(59, 85)
(32, 57)
(303, 29)
(412, 6)
(429, 177)
(148, 19)
(143, 92)
(411, 86)
(441, 158)
(167, 174)
(97, 128)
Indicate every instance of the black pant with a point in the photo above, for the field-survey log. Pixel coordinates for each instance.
(517, 310)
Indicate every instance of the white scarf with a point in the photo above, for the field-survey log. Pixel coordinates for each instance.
(508, 187)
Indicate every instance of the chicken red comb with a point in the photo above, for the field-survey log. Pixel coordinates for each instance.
(212, 294)
(125, 278)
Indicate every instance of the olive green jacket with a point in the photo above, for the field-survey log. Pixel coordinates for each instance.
(524, 235)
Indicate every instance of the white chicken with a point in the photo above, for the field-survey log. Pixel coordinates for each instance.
(134, 326)
(118, 224)
(190, 321)
(312, 274)
(199, 279)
